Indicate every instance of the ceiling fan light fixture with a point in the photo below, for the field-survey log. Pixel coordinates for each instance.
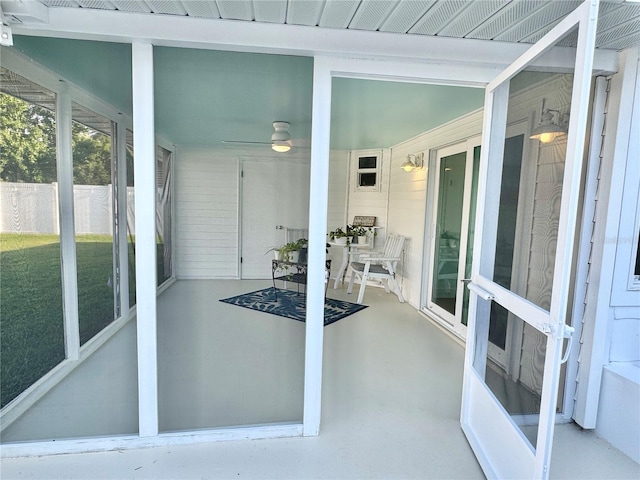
(280, 147)
(281, 140)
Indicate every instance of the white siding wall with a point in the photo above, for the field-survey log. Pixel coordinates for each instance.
(338, 178)
(206, 213)
(338, 200)
(207, 208)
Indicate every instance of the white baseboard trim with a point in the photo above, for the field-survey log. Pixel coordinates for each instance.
(104, 444)
(444, 328)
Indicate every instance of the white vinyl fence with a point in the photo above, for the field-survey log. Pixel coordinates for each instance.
(33, 208)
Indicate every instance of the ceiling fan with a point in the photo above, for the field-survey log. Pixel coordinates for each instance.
(280, 139)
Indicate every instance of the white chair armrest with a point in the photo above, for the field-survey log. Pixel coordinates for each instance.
(369, 254)
(379, 259)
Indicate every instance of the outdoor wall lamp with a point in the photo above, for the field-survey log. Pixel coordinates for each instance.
(413, 162)
(552, 125)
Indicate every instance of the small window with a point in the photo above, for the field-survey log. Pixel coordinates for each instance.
(367, 162)
(367, 170)
(367, 180)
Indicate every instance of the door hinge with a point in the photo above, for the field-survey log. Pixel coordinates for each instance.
(240, 259)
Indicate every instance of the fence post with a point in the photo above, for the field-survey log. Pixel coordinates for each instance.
(56, 206)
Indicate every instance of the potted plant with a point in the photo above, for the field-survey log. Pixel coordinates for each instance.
(289, 252)
(360, 232)
(302, 250)
(451, 239)
(339, 236)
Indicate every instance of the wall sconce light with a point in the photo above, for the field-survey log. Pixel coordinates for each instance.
(281, 140)
(552, 125)
(412, 162)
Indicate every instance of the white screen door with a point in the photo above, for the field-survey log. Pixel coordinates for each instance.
(523, 250)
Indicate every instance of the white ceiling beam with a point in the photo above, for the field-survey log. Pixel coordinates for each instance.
(26, 11)
(166, 30)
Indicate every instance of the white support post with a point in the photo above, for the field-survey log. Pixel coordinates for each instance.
(144, 171)
(595, 337)
(64, 162)
(123, 246)
(318, 196)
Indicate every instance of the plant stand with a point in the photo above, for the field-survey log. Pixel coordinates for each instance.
(294, 272)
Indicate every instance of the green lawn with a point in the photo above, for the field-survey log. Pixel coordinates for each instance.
(31, 325)
(31, 330)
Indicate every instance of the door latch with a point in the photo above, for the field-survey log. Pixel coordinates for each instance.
(480, 292)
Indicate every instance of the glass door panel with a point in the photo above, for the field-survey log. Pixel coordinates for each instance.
(470, 233)
(516, 387)
(451, 252)
(444, 288)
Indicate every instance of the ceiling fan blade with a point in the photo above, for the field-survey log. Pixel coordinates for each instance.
(242, 142)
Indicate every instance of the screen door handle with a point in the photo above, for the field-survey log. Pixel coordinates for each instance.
(568, 333)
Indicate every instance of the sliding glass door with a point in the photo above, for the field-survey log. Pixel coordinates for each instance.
(455, 178)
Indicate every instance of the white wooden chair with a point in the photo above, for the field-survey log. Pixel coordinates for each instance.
(295, 234)
(379, 266)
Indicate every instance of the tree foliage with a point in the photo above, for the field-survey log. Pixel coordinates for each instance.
(28, 146)
(27, 142)
(91, 157)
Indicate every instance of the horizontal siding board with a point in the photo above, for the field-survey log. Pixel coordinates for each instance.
(199, 221)
(206, 214)
(226, 243)
(217, 195)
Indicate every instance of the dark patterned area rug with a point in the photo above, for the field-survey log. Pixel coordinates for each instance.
(290, 304)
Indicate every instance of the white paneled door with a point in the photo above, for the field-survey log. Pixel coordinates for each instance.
(275, 195)
(523, 249)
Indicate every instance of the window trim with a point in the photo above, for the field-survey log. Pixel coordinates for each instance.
(356, 170)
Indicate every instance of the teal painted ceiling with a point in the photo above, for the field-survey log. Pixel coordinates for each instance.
(103, 69)
(373, 113)
(206, 96)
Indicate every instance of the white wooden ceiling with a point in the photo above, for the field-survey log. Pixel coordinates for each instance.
(515, 21)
